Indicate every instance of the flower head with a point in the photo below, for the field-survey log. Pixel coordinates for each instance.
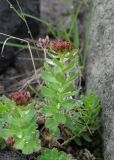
(62, 46)
(21, 97)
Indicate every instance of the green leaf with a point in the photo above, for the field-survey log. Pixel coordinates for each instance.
(69, 104)
(5, 133)
(72, 54)
(60, 118)
(58, 63)
(22, 127)
(60, 78)
(69, 67)
(75, 33)
(73, 93)
(2, 143)
(69, 124)
(63, 157)
(68, 88)
(48, 111)
(72, 78)
(94, 126)
(53, 154)
(19, 144)
(55, 133)
(47, 92)
(51, 123)
(78, 141)
(91, 101)
(86, 137)
(53, 127)
(54, 86)
(48, 77)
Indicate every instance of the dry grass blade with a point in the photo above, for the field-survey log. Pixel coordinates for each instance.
(23, 40)
(4, 46)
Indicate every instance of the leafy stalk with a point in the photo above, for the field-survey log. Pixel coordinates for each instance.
(61, 108)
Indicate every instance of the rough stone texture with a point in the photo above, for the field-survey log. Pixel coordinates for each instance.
(100, 67)
(16, 64)
(56, 12)
(11, 24)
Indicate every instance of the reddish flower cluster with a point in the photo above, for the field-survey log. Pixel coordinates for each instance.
(62, 46)
(10, 141)
(21, 97)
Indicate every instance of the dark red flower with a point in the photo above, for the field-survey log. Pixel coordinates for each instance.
(21, 97)
(62, 46)
(10, 141)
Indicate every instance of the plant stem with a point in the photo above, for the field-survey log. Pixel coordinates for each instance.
(67, 141)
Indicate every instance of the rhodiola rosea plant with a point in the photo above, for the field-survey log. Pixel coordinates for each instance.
(78, 117)
(65, 111)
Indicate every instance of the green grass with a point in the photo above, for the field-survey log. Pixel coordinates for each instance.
(17, 45)
(63, 33)
(88, 29)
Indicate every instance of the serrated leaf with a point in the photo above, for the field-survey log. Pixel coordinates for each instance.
(53, 154)
(22, 122)
(19, 144)
(63, 157)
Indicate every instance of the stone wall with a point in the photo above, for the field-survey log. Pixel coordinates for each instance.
(100, 67)
(56, 12)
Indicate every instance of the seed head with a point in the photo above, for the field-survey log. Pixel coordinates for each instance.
(43, 43)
